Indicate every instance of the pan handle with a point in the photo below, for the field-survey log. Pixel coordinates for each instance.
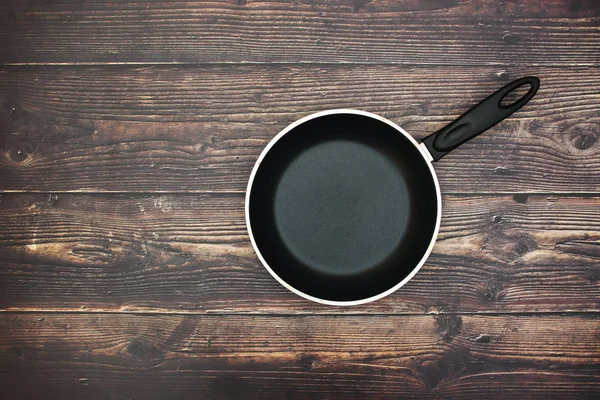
(479, 118)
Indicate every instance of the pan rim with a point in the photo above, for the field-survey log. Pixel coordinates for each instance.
(428, 160)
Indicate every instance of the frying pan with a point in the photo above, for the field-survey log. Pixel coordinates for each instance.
(343, 206)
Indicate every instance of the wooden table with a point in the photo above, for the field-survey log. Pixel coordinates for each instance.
(128, 132)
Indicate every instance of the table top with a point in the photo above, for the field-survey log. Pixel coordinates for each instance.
(127, 135)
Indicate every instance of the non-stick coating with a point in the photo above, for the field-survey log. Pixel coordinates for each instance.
(343, 207)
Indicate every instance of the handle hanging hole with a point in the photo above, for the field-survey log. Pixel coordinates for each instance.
(516, 95)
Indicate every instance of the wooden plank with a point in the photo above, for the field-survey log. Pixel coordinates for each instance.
(191, 253)
(442, 32)
(200, 129)
(98, 356)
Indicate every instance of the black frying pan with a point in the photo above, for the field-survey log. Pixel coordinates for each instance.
(343, 206)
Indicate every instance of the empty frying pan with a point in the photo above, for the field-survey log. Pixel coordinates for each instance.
(343, 206)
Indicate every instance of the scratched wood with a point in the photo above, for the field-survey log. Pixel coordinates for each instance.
(97, 356)
(444, 32)
(200, 129)
(192, 253)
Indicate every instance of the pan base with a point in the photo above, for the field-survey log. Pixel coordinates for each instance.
(341, 207)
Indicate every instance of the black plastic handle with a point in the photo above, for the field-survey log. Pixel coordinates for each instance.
(479, 118)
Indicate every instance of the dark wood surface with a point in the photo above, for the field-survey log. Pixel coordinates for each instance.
(433, 32)
(191, 253)
(127, 134)
(200, 128)
(299, 357)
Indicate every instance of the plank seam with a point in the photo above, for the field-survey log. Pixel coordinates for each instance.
(286, 63)
(595, 313)
(242, 193)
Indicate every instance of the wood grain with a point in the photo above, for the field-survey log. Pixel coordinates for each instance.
(127, 135)
(93, 356)
(191, 253)
(200, 129)
(446, 32)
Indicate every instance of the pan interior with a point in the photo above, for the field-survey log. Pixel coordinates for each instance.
(343, 207)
